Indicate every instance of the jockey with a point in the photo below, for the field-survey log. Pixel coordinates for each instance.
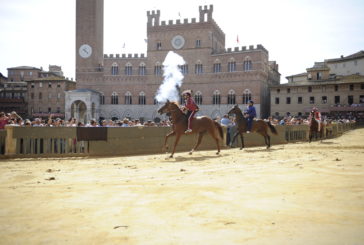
(316, 116)
(190, 107)
(250, 113)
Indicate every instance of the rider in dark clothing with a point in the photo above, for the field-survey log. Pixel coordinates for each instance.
(251, 113)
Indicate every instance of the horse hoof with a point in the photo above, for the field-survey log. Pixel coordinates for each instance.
(171, 156)
(241, 148)
(190, 153)
(217, 153)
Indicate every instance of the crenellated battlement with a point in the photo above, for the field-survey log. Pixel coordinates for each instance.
(204, 17)
(244, 49)
(206, 12)
(153, 17)
(124, 56)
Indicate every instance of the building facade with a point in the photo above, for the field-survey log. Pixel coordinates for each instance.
(46, 96)
(335, 87)
(19, 91)
(126, 84)
(13, 89)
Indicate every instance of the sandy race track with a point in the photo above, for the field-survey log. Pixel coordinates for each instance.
(292, 194)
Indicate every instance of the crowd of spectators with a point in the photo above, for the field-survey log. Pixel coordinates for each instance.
(14, 119)
(228, 121)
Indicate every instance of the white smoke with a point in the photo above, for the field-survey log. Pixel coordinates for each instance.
(173, 77)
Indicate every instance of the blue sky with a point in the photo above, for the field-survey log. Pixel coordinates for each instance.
(296, 33)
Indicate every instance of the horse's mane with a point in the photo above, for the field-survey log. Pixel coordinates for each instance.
(175, 103)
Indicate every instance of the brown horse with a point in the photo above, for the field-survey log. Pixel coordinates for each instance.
(314, 129)
(259, 126)
(199, 126)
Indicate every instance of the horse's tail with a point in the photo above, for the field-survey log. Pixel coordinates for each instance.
(219, 128)
(272, 128)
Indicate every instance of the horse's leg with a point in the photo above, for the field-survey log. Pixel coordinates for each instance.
(200, 135)
(165, 146)
(217, 145)
(242, 140)
(310, 136)
(217, 139)
(178, 136)
(265, 136)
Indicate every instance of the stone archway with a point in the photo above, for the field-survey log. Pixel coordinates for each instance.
(79, 111)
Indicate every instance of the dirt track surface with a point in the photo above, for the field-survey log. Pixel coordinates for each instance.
(292, 194)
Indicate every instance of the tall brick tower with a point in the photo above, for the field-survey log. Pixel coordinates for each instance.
(89, 42)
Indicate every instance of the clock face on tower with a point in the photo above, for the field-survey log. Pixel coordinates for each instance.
(85, 51)
(178, 42)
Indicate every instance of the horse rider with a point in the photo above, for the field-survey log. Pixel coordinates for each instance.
(316, 116)
(191, 108)
(250, 115)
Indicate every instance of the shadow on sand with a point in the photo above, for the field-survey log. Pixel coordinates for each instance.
(192, 158)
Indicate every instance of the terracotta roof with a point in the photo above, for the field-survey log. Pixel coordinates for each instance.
(298, 75)
(356, 55)
(339, 80)
(24, 68)
(52, 78)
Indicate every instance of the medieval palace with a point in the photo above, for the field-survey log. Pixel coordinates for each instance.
(125, 85)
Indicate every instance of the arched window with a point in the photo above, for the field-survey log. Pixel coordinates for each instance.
(217, 66)
(128, 100)
(247, 64)
(247, 95)
(231, 65)
(198, 67)
(114, 98)
(102, 99)
(216, 98)
(157, 69)
(128, 69)
(198, 98)
(231, 97)
(141, 99)
(142, 70)
(114, 69)
(184, 69)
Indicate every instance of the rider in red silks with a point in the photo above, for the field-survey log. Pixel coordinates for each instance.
(190, 107)
(317, 117)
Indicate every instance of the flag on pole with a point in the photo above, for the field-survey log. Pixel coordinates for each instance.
(237, 39)
(124, 45)
(179, 14)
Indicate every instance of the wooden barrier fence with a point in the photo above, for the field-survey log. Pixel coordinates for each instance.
(63, 142)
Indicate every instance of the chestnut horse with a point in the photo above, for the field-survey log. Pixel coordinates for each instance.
(314, 128)
(199, 126)
(259, 126)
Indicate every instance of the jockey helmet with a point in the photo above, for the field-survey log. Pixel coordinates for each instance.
(188, 92)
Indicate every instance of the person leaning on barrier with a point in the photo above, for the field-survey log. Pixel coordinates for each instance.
(226, 122)
(3, 120)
